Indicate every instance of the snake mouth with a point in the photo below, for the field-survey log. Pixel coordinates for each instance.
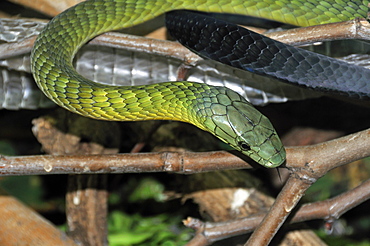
(277, 159)
(274, 160)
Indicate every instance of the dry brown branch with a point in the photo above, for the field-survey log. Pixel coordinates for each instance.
(312, 162)
(356, 29)
(15, 49)
(353, 29)
(185, 163)
(333, 208)
(329, 210)
(288, 198)
(235, 201)
(307, 163)
(48, 7)
(22, 225)
(307, 166)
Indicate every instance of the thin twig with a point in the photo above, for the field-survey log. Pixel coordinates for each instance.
(335, 207)
(329, 210)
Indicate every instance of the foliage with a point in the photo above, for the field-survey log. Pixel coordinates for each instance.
(136, 229)
(340, 240)
(163, 229)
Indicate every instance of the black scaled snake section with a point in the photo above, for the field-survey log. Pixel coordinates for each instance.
(241, 48)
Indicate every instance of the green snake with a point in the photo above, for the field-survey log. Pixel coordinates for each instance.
(217, 110)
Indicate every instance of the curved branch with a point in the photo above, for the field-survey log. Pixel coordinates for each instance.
(307, 165)
(329, 210)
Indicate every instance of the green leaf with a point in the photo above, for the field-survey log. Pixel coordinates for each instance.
(148, 188)
(127, 238)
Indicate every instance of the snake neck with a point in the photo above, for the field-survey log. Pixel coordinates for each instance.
(181, 101)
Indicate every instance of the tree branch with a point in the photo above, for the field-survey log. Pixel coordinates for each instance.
(308, 162)
(329, 210)
(286, 201)
(353, 29)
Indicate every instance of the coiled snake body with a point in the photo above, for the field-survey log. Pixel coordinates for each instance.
(215, 109)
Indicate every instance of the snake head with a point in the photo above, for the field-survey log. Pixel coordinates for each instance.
(239, 124)
(259, 141)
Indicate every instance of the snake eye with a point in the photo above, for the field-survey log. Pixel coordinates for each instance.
(244, 146)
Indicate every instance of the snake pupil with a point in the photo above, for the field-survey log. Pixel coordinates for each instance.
(244, 146)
